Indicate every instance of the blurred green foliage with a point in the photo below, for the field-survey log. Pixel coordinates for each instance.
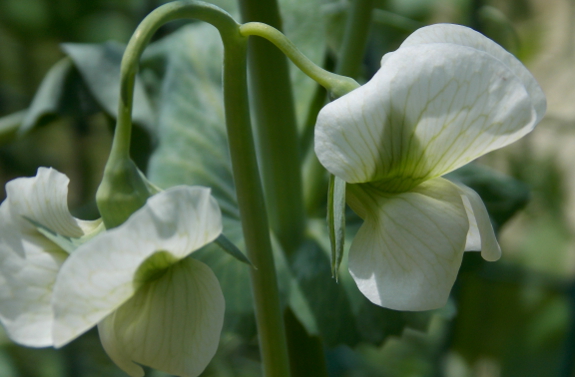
(512, 318)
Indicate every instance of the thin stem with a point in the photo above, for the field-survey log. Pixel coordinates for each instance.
(348, 64)
(355, 38)
(124, 189)
(139, 41)
(336, 84)
(244, 164)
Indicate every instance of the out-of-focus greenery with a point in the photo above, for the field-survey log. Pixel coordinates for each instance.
(515, 317)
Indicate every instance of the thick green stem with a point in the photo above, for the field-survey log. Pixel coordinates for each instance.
(277, 140)
(244, 163)
(271, 333)
(279, 146)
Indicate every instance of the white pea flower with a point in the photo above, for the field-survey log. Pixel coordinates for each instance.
(29, 261)
(153, 304)
(447, 96)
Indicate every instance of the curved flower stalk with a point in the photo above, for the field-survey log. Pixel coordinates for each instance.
(447, 96)
(30, 261)
(152, 303)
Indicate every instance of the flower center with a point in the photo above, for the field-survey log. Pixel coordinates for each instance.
(154, 267)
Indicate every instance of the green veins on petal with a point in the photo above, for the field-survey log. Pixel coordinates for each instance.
(464, 36)
(447, 96)
(172, 323)
(407, 253)
(429, 110)
(154, 304)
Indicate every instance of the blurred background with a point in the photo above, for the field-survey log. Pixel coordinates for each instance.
(512, 318)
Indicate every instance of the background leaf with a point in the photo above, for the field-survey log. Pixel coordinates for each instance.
(99, 65)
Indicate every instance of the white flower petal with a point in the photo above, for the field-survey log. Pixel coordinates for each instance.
(44, 198)
(115, 349)
(473, 242)
(103, 273)
(172, 324)
(464, 36)
(407, 253)
(429, 110)
(29, 262)
(477, 213)
(28, 269)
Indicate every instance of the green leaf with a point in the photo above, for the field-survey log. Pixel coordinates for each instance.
(10, 124)
(99, 66)
(336, 221)
(228, 246)
(320, 303)
(84, 83)
(192, 145)
(61, 93)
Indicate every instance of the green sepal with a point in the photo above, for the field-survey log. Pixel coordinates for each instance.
(68, 244)
(336, 221)
(229, 247)
(124, 190)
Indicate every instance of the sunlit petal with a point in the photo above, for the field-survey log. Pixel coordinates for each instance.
(172, 324)
(104, 273)
(429, 110)
(407, 253)
(464, 36)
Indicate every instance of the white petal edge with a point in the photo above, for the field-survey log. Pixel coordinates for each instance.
(172, 324)
(473, 241)
(464, 36)
(429, 110)
(407, 253)
(484, 234)
(99, 276)
(44, 198)
(29, 263)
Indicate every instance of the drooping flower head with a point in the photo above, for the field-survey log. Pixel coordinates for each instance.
(153, 304)
(447, 96)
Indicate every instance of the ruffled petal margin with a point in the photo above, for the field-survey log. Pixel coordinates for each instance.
(29, 262)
